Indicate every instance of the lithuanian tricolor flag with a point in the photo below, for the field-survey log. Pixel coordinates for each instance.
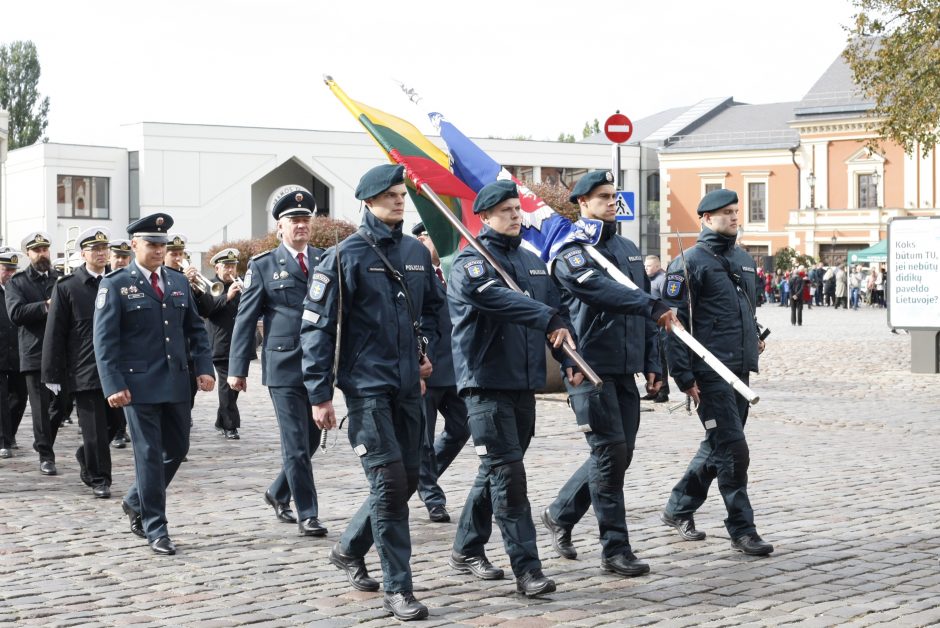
(403, 143)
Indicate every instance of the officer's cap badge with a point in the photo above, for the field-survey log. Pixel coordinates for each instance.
(299, 197)
(159, 221)
(609, 177)
(14, 259)
(100, 236)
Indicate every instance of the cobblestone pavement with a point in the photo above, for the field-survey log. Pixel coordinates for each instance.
(844, 481)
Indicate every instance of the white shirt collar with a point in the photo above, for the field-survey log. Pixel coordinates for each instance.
(294, 251)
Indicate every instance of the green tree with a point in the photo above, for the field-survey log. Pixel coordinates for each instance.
(591, 128)
(565, 137)
(788, 258)
(894, 53)
(19, 76)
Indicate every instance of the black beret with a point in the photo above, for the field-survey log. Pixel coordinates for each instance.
(418, 229)
(379, 179)
(152, 228)
(493, 194)
(292, 200)
(716, 199)
(590, 181)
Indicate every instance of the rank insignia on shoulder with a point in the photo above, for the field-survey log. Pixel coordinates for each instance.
(474, 269)
(575, 259)
(674, 284)
(317, 290)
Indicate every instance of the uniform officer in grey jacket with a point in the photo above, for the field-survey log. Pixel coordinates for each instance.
(145, 320)
(389, 304)
(274, 290)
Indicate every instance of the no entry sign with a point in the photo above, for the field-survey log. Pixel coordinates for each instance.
(618, 128)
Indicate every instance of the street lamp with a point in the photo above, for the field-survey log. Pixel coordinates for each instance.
(875, 179)
(811, 181)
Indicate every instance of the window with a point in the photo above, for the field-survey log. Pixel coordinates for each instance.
(83, 197)
(711, 187)
(757, 202)
(867, 192)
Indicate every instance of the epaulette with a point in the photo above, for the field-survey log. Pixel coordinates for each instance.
(174, 269)
(114, 272)
(261, 254)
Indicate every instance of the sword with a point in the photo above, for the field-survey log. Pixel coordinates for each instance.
(339, 324)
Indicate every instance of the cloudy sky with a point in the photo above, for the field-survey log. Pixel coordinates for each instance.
(509, 67)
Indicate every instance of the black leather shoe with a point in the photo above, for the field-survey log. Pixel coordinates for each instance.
(404, 606)
(137, 524)
(281, 510)
(479, 566)
(6, 453)
(661, 398)
(14, 445)
(82, 469)
(648, 397)
(119, 442)
(534, 583)
(47, 467)
(625, 565)
(752, 545)
(102, 491)
(561, 538)
(438, 514)
(355, 569)
(231, 434)
(685, 527)
(163, 546)
(311, 527)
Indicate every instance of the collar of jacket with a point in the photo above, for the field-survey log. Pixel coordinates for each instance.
(608, 231)
(500, 241)
(35, 275)
(380, 232)
(717, 242)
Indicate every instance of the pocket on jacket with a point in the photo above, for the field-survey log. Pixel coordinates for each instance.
(281, 343)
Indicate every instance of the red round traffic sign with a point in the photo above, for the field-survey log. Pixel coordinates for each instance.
(618, 128)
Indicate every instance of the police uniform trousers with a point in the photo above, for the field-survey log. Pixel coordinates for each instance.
(47, 418)
(227, 417)
(436, 455)
(502, 423)
(193, 383)
(13, 397)
(386, 431)
(99, 423)
(299, 439)
(612, 416)
(160, 433)
(723, 455)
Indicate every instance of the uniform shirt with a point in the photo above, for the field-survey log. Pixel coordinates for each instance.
(27, 293)
(722, 311)
(614, 324)
(499, 334)
(274, 291)
(9, 344)
(141, 341)
(68, 353)
(378, 351)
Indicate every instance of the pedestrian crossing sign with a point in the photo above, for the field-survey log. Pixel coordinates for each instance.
(625, 206)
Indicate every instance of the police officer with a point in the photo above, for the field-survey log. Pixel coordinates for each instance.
(219, 312)
(12, 383)
(440, 397)
(175, 259)
(274, 289)
(119, 258)
(145, 321)
(499, 353)
(718, 278)
(387, 289)
(618, 338)
(27, 301)
(68, 359)
(657, 277)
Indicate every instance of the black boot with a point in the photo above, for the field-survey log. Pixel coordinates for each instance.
(561, 538)
(404, 606)
(355, 569)
(534, 583)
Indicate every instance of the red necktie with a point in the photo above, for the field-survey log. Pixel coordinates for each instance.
(440, 275)
(155, 282)
(303, 267)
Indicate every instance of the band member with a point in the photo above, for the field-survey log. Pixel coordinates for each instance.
(145, 321)
(120, 253)
(12, 383)
(389, 304)
(177, 259)
(68, 358)
(274, 290)
(27, 300)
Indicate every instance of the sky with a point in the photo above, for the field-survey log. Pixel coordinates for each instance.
(494, 68)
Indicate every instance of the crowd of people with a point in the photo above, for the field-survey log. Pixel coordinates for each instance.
(132, 333)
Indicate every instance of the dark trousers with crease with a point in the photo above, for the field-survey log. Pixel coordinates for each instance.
(227, 417)
(502, 423)
(299, 439)
(46, 420)
(99, 423)
(436, 455)
(13, 398)
(611, 415)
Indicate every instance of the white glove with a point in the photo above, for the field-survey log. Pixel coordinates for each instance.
(55, 388)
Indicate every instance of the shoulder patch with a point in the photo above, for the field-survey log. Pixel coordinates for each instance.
(101, 298)
(246, 282)
(321, 278)
(474, 268)
(317, 289)
(574, 258)
(674, 285)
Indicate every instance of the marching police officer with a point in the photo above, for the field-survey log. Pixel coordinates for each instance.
(27, 301)
(145, 322)
(219, 312)
(440, 396)
(499, 353)
(618, 338)
(718, 279)
(12, 383)
(389, 303)
(68, 359)
(274, 289)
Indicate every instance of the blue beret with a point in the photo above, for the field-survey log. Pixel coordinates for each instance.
(590, 181)
(716, 199)
(292, 200)
(379, 179)
(493, 194)
(418, 229)
(152, 228)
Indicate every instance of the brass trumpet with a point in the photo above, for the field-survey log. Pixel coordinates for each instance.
(201, 283)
